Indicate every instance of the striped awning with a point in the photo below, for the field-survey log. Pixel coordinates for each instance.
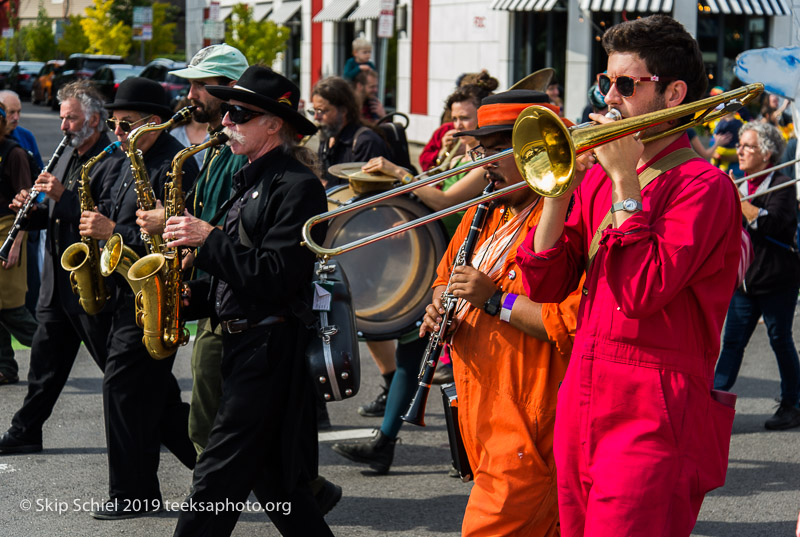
(285, 12)
(225, 12)
(745, 7)
(640, 6)
(524, 5)
(367, 9)
(335, 11)
(261, 10)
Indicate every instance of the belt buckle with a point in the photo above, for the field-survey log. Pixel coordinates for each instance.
(235, 326)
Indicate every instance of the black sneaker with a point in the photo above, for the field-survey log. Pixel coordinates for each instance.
(376, 408)
(327, 496)
(11, 444)
(378, 452)
(8, 379)
(786, 417)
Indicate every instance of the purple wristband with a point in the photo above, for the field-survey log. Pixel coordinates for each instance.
(508, 304)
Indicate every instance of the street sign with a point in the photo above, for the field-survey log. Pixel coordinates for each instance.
(213, 13)
(142, 29)
(214, 30)
(386, 19)
(8, 33)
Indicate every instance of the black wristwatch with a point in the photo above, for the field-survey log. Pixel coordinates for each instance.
(492, 306)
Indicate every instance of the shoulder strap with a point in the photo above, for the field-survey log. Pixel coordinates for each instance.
(360, 130)
(663, 165)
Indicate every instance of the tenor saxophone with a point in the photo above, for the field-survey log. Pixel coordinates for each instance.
(158, 275)
(82, 259)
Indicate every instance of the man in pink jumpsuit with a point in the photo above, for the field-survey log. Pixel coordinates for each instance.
(640, 438)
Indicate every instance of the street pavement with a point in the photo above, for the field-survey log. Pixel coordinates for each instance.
(49, 493)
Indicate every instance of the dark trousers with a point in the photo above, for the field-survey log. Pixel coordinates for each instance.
(263, 438)
(20, 323)
(143, 409)
(743, 313)
(34, 279)
(55, 346)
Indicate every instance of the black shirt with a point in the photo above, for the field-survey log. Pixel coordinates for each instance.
(355, 143)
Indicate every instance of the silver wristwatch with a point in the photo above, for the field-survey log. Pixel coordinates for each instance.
(630, 205)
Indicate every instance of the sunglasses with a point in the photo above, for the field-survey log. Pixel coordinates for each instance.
(626, 85)
(239, 114)
(125, 126)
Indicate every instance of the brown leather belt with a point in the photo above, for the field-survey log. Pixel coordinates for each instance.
(235, 326)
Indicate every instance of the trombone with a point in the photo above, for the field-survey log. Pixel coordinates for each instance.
(545, 151)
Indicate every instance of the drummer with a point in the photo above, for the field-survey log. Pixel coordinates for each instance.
(391, 403)
(343, 137)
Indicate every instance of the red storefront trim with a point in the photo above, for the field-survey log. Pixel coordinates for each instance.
(420, 28)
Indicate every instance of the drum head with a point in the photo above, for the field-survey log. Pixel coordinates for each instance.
(390, 280)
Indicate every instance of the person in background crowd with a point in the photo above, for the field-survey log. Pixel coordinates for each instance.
(774, 111)
(597, 104)
(772, 282)
(360, 61)
(365, 87)
(662, 261)
(556, 94)
(26, 139)
(343, 138)
(190, 132)
(15, 319)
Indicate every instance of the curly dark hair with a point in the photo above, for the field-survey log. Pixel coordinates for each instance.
(667, 49)
(337, 91)
(474, 93)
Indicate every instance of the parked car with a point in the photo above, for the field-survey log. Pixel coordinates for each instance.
(20, 78)
(107, 78)
(5, 67)
(42, 88)
(159, 69)
(77, 67)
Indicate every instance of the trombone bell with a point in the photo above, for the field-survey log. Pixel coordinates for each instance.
(545, 156)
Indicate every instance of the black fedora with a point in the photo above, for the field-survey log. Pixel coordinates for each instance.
(266, 89)
(498, 112)
(142, 95)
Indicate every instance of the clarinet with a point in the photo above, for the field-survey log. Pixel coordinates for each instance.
(416, 410)
(22, 214)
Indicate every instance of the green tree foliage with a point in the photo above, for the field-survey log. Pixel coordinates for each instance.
(39, 39)
(260, 42)
(74, 39)
(105, 36)
(163, 33)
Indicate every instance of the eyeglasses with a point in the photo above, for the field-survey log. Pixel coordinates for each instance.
(747, 147)
(239, 114)
(626, 85)
(482, 152)
(314, 112)
(125, 126)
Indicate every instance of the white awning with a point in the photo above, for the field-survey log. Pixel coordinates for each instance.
(285, 12)
(261, 10)
(524, 5)
(367, 9)
(225, 12)
(638, 6)
(335, 11)
(770, 8)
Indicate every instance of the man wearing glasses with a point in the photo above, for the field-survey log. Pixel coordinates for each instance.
(63, 324)
(640, 437)
(264, 436)
(141, 398)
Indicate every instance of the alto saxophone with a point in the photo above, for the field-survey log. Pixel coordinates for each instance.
(158, 275)
(82, 259)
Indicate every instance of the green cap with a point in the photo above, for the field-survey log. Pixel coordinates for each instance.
(216, 60)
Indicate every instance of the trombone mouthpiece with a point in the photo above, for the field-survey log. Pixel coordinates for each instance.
(614, 114)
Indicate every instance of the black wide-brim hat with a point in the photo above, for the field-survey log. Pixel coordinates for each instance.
(499, 112)
(270, 91)
(142, 95)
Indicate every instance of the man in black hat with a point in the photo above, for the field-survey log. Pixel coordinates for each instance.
(63, 324)
(141, 397)
(264, 436)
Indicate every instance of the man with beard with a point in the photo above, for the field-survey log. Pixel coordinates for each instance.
(264, 436)
(509, 354)
(365, 86)
(640, 435)
(343, 137)
(141, 398)
(63, 324)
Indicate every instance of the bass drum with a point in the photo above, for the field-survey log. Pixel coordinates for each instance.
(390, 280)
